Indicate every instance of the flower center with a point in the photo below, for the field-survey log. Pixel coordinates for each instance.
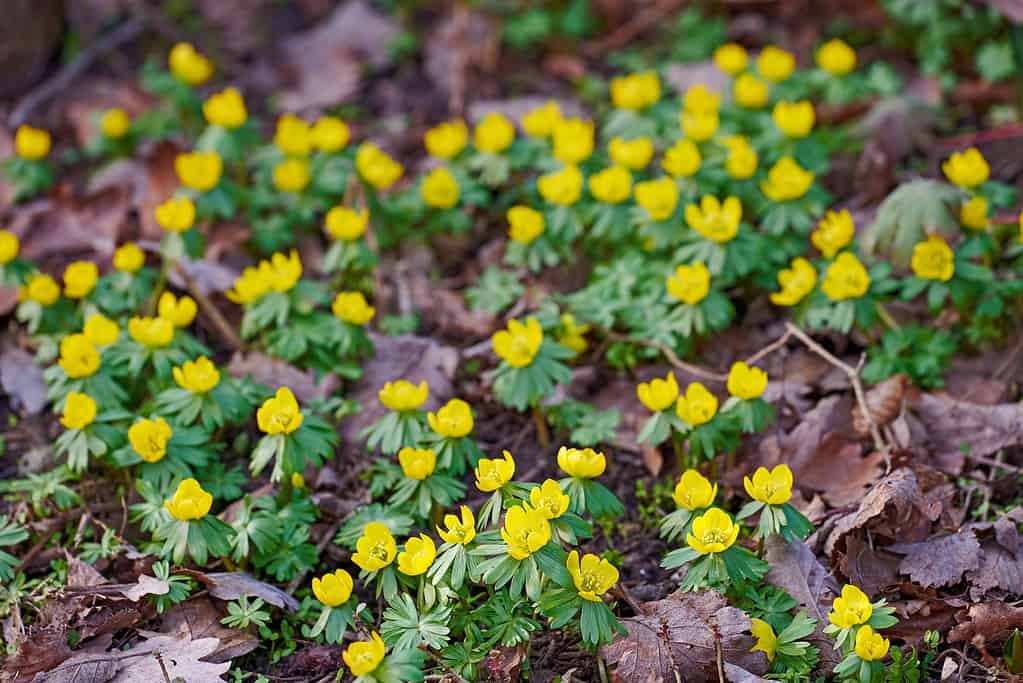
(714, 536)
(379, 551)
(590, 582)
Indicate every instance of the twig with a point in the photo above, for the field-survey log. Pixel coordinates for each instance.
(672, 357)
(991, 462)
(224, 328)
(642, 21)
(770, 348)
(719, 656)
(629, 599)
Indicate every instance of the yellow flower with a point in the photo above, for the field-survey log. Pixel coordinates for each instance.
(280, 413)
(636, 91)
(750, 91)
(297, 480)
(493, 473)
(417, 463)
(746, 382)
(697, 406)
(682, 160)
(786, 180)
(549, 500)
(933, 259)
(592, 576)
(177, 214)
(40, 288)
(742, 158)
(225, 109)
(453, 420)
(153, 333)
(773, 487)
(767, 640)
(613, 185)
(149, 439)
(78, 356)
(114, 123)
(79, 411)
(775, 64)
(346, 224)
(9, 247)
(633, 154)
(446, 140)
(573, 140)
(796, 282)
(519, 343)
(293, 136)
(188, 66)
(699, 99)
(539, 122)
(31, 143)
(376, 548)
(418, 556)
(794, 119)
(972, 214)
(101, 330)
(334, 588)
(181, 311)
(573, 334)
(494, 133)
(836, 57)
(712, 532)
(403, 396)
(440, 189)
(364, 656)
(352, 308)
(524, 224)
(250, 286)
(731, 58)
(846, 278)
(377, 167)
(199, 171)
(851, 609)
(694, 491)
(699, 126)
(330, 134)
(967, 169)
(715, 220)
(189, 501)
(690, 284)
(282, 272)
(292, 175)
(459, 531)
(525, 531)
(658, 197)
(562, 187)
(197, 376)
(581, 463)
(834, 232)
(871, 646)
(80, 279)
(658, 394)
(129, 258)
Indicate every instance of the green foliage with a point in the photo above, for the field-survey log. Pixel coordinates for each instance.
(921, 353)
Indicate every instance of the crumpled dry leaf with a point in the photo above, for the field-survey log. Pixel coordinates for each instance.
(951, 424)
(678, 639)
(884, 403)
(199, 618)
(985, 622)
(940, 560)
(64, 226)
(1001, 560)
(181, 656)
(22, 380)
(233, 585)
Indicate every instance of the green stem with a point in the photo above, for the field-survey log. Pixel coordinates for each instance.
(680, 454)
(542, 433)
(886, 317)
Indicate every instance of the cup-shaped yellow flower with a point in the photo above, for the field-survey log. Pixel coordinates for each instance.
(700, 125)
(334, 588)
(636, 91)
(153, 333)
(836, 57)
(524, 224)
(101, 330)
(282, 272)
(658, 394)
(80, 279)
(786, 180)
(330, 134)
(79, 411)
(973, 213)
(446, 140)
(694, 491)
(613, 185)
(573, 140)
(31, 143)
(731, 58)
(9, 247)
(129, 258)
(345, 224)
(796, 282)
(149, 437)
(189, 502)
(712, 532)
(573, 334)
(834, 232)
(700, 98)
(199, 171)
(850, 609)
(417, 463)
(750, 91)
(581, 463)
(967, 169)
(197, 376)
(454, 419)
(539, 122)
(746, 382)
(494, 133)
(549, 500)
(41, 288)
(697, 406)
(459, 530)
(402, 395)
(280, 413)
(775, 64)
(180, 311)
(376, 167)
(493, 473)
(767, 639)
(78, 356)
(717, 221)
(376, 548)
(689, 284)
(519, 343)
(658, 197)
(250, 286)
(682, 160)
(592, 575)
(114, 123)
(418, 556)
(846, 278)
(562, 187)
(525, 531)
(773, 486)
(933, 259)
(352, 308)
(871, 646)
(440, 189)
(177, 214)
(742, 159)
(188, 65)
(225, 109)
(633, 154)
(292, 175)
(293, 136)
(364, 656)
(794, 119)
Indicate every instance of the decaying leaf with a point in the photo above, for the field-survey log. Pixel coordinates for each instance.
(940, 560)
(985, 622)
(233, 585)
(22, 381)
(884, 403)
(953, 425)
(274, 372)
(199, 618)
(181, 657)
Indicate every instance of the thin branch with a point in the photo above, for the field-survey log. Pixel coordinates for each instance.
(224, 328)
(770, 348)
(672, 357)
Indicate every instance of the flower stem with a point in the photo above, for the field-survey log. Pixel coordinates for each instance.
(542, 433)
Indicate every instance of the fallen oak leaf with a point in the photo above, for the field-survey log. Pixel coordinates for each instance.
(953, 426)
(200, 618)
(940, 560)
(179, 657)
(985, 622)
(233, 585)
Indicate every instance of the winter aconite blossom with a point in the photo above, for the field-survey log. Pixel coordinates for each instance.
(292, 175)
(199, 171)
(794, 119)
(592, 575)
(402, 396)
(716, 220)
(524, 224)
(518, 344)
(682, 160)
(493, 473)
(149, 437)
(581, 463)
(613, 185)
(189, 502)
(871, 646)
(525, 531)
(330, 134)
(333, 589)
(345, 224)
(658, 394)
(750, 91)
(973, 213)
(852, 608)
(796, 282)
(177, 214)
(280, 414)
(9, 247)
(364, 656)
(731, 58)
(573, 141)
(775, 64)
(129, 258)
(453, 420)
(563, 187)
(746, 382)
(633, 154)
(572, 334)
(549, 500)
(539, 122)
(767, 640)
(188, 65)
(418, 555)
(352, 308)
(700, 126)
(636, 91)
(846, 278)
(417, 463)
(179, 310)
(459, 530)
(446, 140)
(79, 411)
(689, 283)
(40, 288)
(376, 548)
(31, 143)
(197, 376)
(494, 133)
(967, 169)
(697, 406)
(933, 259)
(225, 109)
(834, 232)
(152, 333)
(80, 279)
(773, 487)
(741, 162)
(836, 57)
(376, 167)
(114, 123)
(712, 532)
(658, 197)
(101, 330)
(694, 491)
(786, 180)
(439, 189)
(78, 356)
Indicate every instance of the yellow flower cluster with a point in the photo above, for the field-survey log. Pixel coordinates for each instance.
(279, 273)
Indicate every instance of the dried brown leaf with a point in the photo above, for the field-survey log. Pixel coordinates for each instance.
(952, 425)
(233, 585)
(181, 656)
(884, 403)
(273, 373)
(199, 618)
(22, 380)
(986, 622)
(940, 560)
